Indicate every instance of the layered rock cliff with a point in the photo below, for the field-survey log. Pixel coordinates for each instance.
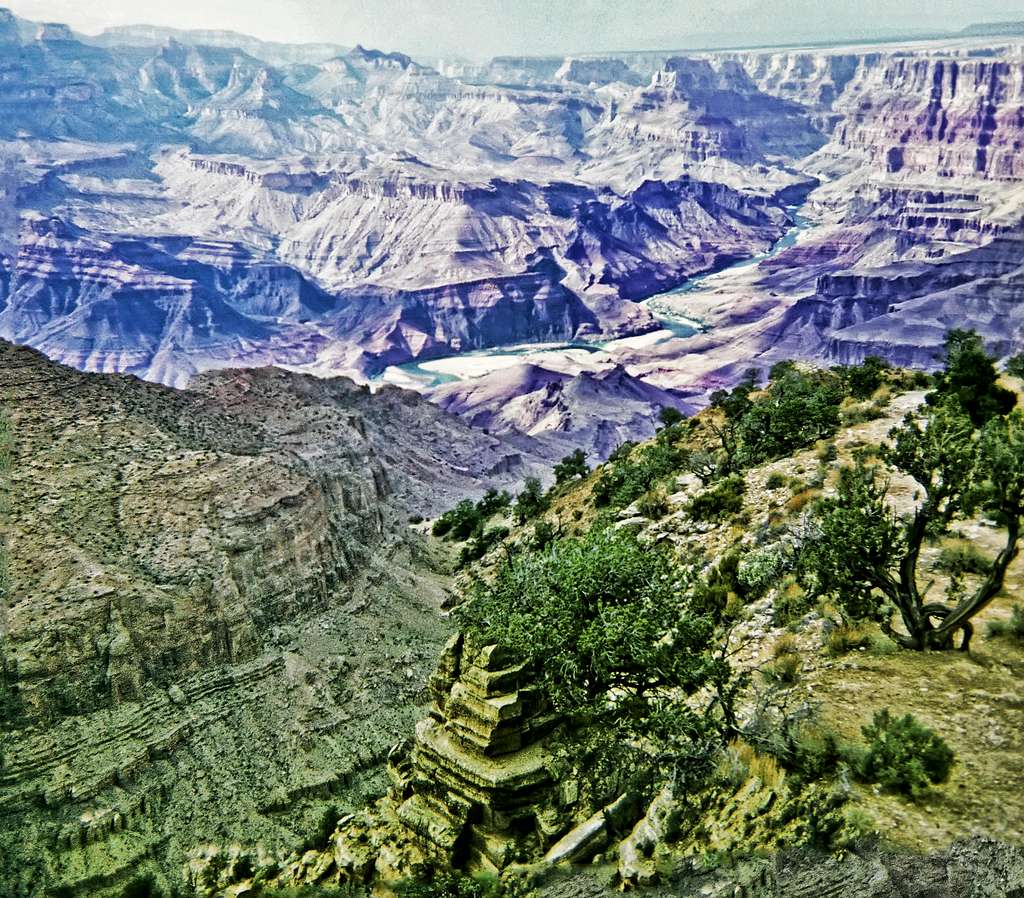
(197, 582)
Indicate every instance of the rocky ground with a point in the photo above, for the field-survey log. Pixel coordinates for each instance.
(747, 833)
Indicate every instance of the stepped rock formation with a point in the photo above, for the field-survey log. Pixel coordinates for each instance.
(599, 410)
(476, 788)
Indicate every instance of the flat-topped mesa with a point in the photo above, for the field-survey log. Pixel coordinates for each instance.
(54, 32)
(476, 790)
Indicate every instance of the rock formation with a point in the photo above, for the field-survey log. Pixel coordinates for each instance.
(476, 788)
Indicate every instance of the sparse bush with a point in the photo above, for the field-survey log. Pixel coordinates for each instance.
(492, 502)
(904, 755)
(572, 467)
(739, 762)
(791, 603)
(848, 638)
(785, 645)
(480, 543)
(622, 451)
(799, 501)
(852, 413)
(776, 480)
(543, 534)
(457, 523)
(862, 380)
(783, 671)
(531, 501)
(723, 499)
(763, 568)
(828, 452)
(670, 417)
(626, 480)
(653, 504)
(809, 751)
(1011, 628)
(1015, 366)
(963, 558)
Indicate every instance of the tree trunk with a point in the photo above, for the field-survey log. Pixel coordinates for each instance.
(959, 616)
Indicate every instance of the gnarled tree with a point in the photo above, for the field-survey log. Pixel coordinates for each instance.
(867, 555)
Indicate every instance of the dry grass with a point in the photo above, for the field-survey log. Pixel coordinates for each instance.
(801, 500)
(848, 637)
(974, 702)
(741, 762)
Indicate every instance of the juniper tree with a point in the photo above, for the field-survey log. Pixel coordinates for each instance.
(868, 555)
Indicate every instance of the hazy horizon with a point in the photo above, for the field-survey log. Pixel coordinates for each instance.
(484, 28)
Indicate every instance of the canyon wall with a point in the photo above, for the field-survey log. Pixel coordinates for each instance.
(197, 585)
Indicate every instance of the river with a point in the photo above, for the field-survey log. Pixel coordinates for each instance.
(675, 323)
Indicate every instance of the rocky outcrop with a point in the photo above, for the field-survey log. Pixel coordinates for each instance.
(596, 410)
(951, 116)
(596, 71)
(711, 109)
(476, 788)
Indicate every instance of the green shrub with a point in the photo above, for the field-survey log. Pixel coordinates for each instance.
(724, 498)
(531, 501)
(459, 522)
(1012, 628)
(796, 410)
(622, 451)
(481, 542)
(763, 568)
(776, 480)
(492, 502)
(591, 616)
(963, 558)
(862, 380)
(626, 480)
(451, 885)
(572, 467)
(653, 504)
(904, 755)
(543, 535)
(1015, 366)
(970, 380)
(670, 417)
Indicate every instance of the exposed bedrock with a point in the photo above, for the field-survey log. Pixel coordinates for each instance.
(197, 584)
(945, 116)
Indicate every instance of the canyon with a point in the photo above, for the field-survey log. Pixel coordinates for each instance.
(179, 202)
(264, 305)
(195, 586)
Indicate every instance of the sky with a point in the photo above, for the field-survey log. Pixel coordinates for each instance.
(482, 28)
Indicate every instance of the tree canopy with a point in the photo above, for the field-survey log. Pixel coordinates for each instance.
(608, 624)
